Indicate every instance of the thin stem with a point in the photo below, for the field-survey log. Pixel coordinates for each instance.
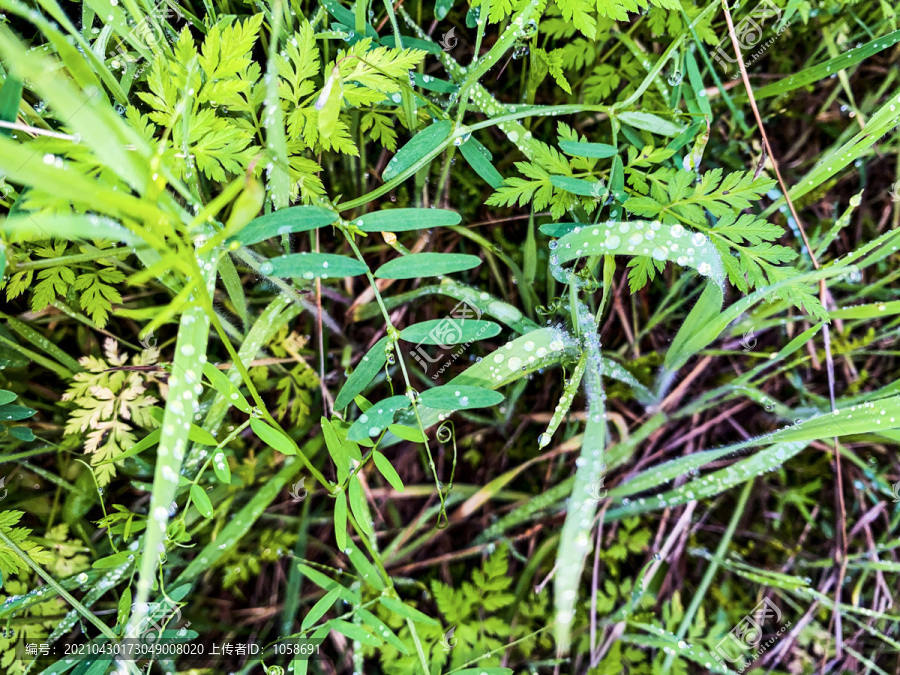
(84, 611)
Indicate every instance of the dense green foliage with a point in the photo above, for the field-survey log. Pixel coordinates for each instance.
(507, 337)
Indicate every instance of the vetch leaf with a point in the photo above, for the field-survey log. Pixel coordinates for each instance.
(428, 141)
(146, 442)
(652, 123)
(340, 520)
(459, 397)
(202, 436)
(327, 583)
(400, 608)
(364, 567)
(11, 412)
(22, 433)
(411, 434)
(449, 332)
(221, 468)
(271, 437)
(592, 150)
(481, 161)
(402, 220)
(224, 386)
(387, 470)
(313, 266)
(578, 186)
(366, 370)
(318, 610)
(558, 229)
(285, 221)
(376, 419)
(113, 560)
(336, 450)
(358, 505)
(354, 632)
(426, 265)
(201, 501)
(379, 627)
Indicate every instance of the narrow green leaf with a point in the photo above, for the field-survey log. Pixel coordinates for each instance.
(448, 331)
(402, 220)
(284, 221)
(868, 417)
(430, 82)
(370, 365)
(481, 161)
(411, 43)
(587, 491)
(376, 419)
(224, 386)
(329, 103)
(22, 434)
(221, 468)
(271, 437)
(411, 434)
(10, 412)
(365, 569)
(459, 397)
(379, 627)
(579, 186)
(828, 168)
(233, 287)
(113, 560)
(652, 123)
(355, 632)
(558, 229)
(418, 265)
(698, 330)
(146, 442)
(696, 82)
(418, 148)
(335, 449)
(313, 266)
(592, 150)
(10, 95)
(279, 179)
(358, 505)
(327, 583)
(201, 501)
(400, 608)
(124, 607)
(318, 610)
(38, 340)
(340, 521)
(387, 470)
(201, 436)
